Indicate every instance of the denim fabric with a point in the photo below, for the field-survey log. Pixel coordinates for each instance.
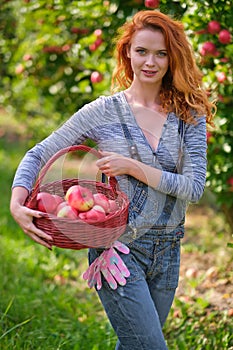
(138, 310)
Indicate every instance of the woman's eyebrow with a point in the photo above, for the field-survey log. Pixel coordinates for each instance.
(142, 47)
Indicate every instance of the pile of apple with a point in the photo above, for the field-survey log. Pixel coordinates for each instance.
(79, 203)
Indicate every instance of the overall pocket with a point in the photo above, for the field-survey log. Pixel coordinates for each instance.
(167, 264)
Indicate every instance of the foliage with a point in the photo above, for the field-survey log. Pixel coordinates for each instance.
(49, 50)
(217, 76)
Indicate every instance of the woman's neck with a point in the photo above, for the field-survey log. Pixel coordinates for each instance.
(145, 96)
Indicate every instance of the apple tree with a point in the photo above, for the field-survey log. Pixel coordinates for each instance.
(209, 26)
(56, 56)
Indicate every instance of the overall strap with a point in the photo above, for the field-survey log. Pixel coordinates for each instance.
(181, 131)
(132, 146)
(181, 128)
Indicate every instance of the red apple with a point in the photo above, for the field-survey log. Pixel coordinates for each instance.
(98, 33)
(66, 211)
(19, 69)
(52, 49)
(224, 36)
(209, 136)
(95, 214)
(66, 47)
(46, 202)
(58, 199)
(151, 3)
(27, 57)
(208, 48)
(76, 30)
(112, 206)
(230, 182)
(60, 206)
(214, 27)
(96, 77)
(102, 200)
(216, 53)
(80, 198)
(221, 76)
(224, 59)
(96, 44)
(92, 47)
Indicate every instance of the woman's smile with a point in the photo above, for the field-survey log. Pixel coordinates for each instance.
(149, 73)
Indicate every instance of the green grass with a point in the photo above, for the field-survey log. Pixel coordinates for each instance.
(45, 304)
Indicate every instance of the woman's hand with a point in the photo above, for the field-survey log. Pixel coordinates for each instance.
(24, 218)
(113, 164)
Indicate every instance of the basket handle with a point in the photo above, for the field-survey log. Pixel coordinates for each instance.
(112, 180)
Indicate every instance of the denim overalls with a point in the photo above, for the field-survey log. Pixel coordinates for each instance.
(138, 310)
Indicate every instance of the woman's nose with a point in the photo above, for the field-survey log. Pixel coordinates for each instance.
(150, 62)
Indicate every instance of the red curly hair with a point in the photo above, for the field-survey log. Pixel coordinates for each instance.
(181, 90)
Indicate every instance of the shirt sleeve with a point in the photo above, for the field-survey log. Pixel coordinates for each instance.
(190, 184)
(75, 130)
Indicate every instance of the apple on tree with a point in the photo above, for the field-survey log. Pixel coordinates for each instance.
(230, 183)
(209, 136)
(80, 198)
(96, 44)
(96, 77)
(224, 36)
(98, 33)
(208, 48)
(19, 69)
(214, 27)
(221, 77)
(151, 3)
(82, 31)
(27, 57)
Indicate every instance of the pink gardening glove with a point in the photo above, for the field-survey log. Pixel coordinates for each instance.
(110, 264)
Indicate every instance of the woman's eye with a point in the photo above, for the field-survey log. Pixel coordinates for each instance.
(162, 54)
(141, 51)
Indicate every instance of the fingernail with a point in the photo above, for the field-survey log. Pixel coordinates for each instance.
(43, 215)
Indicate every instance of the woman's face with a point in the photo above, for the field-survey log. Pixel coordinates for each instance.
(149, 57)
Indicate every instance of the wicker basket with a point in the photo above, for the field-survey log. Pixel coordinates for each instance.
(77, 234)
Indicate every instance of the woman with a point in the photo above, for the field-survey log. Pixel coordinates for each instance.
(161, 114)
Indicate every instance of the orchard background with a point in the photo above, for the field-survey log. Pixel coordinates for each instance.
(58, 55)
(55, 56)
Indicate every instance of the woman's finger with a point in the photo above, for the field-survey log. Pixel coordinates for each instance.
(40, 241)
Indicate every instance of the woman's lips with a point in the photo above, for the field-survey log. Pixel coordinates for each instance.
(149, 72)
